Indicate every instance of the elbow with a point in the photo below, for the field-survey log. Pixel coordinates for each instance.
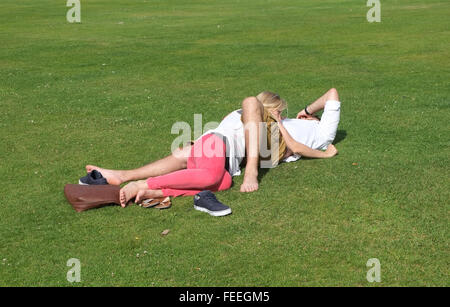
(333, 94)
(298, 150)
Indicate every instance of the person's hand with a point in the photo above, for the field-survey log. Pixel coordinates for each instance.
(277, 115)
(302, 115)
(331, 151)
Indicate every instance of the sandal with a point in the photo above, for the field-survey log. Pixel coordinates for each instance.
(159, 203)
(149, 203)
(165, 204)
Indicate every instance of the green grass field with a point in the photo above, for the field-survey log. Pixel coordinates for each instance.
(108, 90)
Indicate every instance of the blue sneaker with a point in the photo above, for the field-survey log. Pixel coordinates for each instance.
(206, 201)
(94, 177)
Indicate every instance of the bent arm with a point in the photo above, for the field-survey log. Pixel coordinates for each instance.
(319, 104)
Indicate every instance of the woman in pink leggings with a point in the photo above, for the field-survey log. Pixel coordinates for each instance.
(187, 171)
(208, 164)
(205, 170)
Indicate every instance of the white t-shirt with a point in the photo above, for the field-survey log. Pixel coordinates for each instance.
(302, 131)
(312, 133)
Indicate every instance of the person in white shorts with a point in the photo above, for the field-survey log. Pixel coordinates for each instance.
(308, 130)
(305, 136)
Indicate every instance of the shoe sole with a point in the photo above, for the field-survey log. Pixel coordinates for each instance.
(81, 183)
(213, 213)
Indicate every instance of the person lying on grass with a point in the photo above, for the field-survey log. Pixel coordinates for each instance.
(211, 161)
(304, 136)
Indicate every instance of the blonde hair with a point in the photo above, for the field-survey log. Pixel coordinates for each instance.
(271, 101)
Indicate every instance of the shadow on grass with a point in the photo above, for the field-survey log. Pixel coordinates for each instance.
(340, 135)
(261, 171)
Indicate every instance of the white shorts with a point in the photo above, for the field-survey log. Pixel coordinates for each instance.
(328, 123)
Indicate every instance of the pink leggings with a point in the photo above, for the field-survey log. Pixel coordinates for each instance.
(205, 171)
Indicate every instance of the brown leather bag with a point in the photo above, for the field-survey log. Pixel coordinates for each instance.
(84, 197)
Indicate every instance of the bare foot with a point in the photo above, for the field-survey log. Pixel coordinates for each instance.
(112, 176)
(130, 191)
(250, 183)
(146, 194)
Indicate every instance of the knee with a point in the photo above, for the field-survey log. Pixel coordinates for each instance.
(226, 182)
(182, 155)
(212, 178)
(333, 94)
(220, 181)
(250, 103)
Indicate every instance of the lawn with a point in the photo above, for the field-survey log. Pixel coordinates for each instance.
(107, 91)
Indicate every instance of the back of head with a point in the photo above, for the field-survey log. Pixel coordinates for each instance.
(271, 101)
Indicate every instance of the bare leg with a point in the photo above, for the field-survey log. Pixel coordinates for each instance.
(176, 161)
(252, 115)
